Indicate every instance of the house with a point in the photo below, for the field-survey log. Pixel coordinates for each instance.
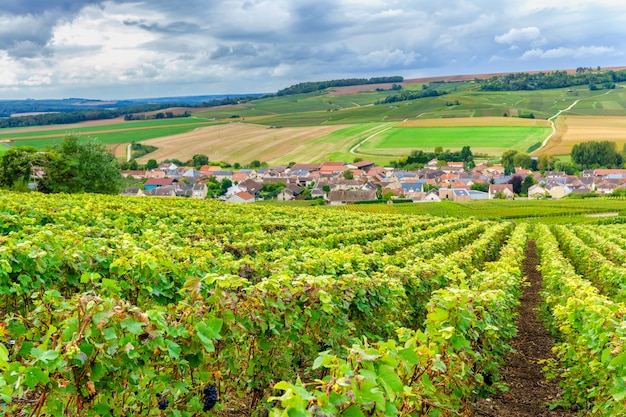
(557, 190)
(241, 197)
(239, 177)
(135, 174)
(155, 173)
(163, 191)
(505, 189)
(133, 192)
(192, 174)
(433, 164)
(432, 196)
(363, 165)
(454, 194)
(537, 191)
(606, 186)
(339, 197)
(222, 175)
(333, 167)
(251, 186)
(184, 190)
(289, 193)
(153, 183)
(413, 186)
(199, 190)
(478, 195)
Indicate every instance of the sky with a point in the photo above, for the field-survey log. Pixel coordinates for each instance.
(121, 49)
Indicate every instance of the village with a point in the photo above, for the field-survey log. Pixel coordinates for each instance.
(339, 183)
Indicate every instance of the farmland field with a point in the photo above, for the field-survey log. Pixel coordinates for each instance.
(314, 116)
(482, 139)
(114, 132)
(576, 129)
(110, 305)
(247, 142)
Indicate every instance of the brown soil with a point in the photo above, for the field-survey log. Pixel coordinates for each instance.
(529, 393)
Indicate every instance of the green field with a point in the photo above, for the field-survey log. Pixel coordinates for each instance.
(487, 140)
(563, 211)
(108, 134)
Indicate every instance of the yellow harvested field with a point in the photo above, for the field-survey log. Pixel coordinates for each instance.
(576, 129)
(475, 122)
(241, 142)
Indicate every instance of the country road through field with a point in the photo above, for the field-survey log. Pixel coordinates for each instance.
(358, 145)
(553, 118)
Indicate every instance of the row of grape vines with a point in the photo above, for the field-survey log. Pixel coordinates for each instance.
(584, 286)
(135, 307)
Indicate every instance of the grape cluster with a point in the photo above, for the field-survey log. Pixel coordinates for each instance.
(163, 403)
(210, 397)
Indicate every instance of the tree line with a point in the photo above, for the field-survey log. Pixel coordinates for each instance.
(77, 116)
(418, 158)
(311, 86)
(411, 95)
(549, 80)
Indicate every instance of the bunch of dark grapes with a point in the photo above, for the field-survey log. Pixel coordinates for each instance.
(210, 397)
(163, 403)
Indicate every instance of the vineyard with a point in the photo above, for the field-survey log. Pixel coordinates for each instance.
(114, 306)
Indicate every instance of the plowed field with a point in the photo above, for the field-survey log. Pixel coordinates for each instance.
(238, 142)
(576, 129)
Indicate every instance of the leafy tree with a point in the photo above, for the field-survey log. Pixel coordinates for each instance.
(516, 181)
(480, 186)
(348, 175)
(16, 164)
(522, 160)
(508, 161)
(271, 189)
(133, 165)
(466, 153)
(151, 164)
(545, 162)
(326, 188)
(199, 160)
(596, 154)
(81, 167)
(225, 185)
(529, 181)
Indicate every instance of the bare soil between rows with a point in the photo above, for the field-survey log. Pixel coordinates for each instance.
(529, 393)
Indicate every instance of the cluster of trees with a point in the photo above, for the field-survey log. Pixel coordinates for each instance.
(309, 87)
(73, 166)
(228, 101)
(556, 79)
(596, 154)
(159, 115)
(512, 159)
(76, 117)
(411, 95)
(418, 158)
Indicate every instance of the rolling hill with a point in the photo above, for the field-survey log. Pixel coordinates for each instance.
(369, 121)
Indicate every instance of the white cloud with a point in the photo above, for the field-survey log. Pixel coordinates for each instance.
(519, 35)
(387, 58)
(562, 52)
